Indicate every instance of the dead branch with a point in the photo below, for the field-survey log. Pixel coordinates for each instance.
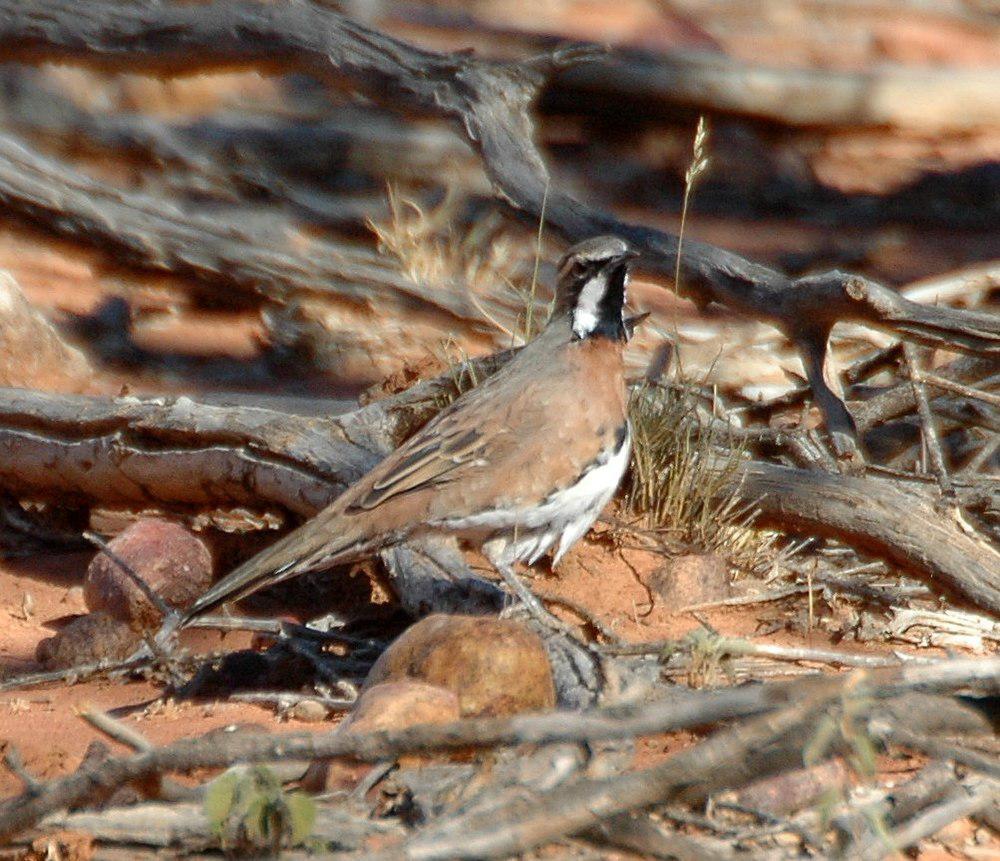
(274, 158)
(899, 521)
(250, 253)
(490, 103)
(730, 758)
(887, 96)
(932, 783)
(181, 454)
(965, 801)
(184, 824)
(891, 94)
(692, 708)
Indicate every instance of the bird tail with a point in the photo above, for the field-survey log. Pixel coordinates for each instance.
(308, 548)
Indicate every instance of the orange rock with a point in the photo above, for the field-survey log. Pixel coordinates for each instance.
(385, 706)
(172, 561)
(397, 705)
(91, 638)
(692, 579)
(493, 666)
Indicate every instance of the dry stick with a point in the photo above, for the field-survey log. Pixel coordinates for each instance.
(116, 730)
(116, 452)
(490, 103)
(751, 600)
(730, 758)
(282, 627)
(939, 382)
(900, 398)
(700, 709)
(12, 759)
(931, 439)
(734, 646)
(77, 673)
(981, 762)
(963, 803)
(932, 783)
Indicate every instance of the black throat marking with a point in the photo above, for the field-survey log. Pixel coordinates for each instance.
(603, 318)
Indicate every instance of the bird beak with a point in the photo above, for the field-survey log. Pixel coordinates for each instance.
(633, 321)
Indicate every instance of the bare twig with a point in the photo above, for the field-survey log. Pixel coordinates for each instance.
(735, 646)
(931, 439)
(116, 730)
(12, 759)
(964, 802)
(694, 709)
(466, 90)
(981, 762)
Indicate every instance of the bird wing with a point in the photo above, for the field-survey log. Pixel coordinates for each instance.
(430, 459)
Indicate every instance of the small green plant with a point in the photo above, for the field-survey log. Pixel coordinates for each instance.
(842, 727)
(252, 814)
(683, 481)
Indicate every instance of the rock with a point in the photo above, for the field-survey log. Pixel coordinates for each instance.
(385, 706)
(173, 562)
(793, 790)
(494, 666)
(308, 711)
(695, 578)
(397, 705)
(34, 355)
(86, 640)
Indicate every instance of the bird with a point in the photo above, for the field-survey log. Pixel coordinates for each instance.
(522, 463)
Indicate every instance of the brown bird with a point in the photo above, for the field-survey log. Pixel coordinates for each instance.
(523, 461)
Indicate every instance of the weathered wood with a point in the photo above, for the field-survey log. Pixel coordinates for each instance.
(179, 453)
(902, 522)
(687, 709)
(490, 102)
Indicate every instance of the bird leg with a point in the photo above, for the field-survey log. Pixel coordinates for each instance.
(530, 602)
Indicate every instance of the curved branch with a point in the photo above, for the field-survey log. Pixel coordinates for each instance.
(181, 453)
(490, 102)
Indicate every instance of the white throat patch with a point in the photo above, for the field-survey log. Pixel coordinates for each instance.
(585, 316)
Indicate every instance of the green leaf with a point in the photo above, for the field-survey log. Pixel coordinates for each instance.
(219, 798)
(302, 814)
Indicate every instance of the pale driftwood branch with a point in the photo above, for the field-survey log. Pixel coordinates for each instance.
(918, 97)
(250, 255)
(683, 709)
(930, 100)
(185, 824)
(180, 453)
(490, 102)
(898, 521)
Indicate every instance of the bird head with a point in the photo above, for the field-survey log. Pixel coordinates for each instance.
(591, 287)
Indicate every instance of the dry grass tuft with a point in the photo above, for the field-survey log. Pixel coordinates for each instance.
(683, 482)
(483, 261)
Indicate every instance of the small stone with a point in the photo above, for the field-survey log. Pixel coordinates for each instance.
(385, 706)
(494, 666)
(308, 711)
(173, 562)
(695, 578)
(793, 790)
(397, 705)
(86, 640)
